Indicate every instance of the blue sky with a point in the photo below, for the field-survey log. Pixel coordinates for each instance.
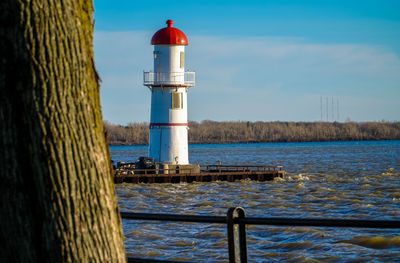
(257, 60)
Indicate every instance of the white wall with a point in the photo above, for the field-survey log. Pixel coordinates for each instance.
(168, 144)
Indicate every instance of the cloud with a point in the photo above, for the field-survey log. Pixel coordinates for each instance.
(254, 78)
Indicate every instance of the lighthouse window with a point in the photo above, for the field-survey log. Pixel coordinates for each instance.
(155, 53)
(177, 100)
(182, 59)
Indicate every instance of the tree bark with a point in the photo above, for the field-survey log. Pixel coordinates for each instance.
(57, 200)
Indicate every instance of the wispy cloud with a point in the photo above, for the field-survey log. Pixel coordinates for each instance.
(259, 78)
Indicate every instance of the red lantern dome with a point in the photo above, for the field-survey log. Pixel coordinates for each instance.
(169, 36)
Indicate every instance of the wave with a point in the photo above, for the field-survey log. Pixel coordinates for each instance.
(377, 242)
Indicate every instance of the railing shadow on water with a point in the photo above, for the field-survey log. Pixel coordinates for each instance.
(236, 222)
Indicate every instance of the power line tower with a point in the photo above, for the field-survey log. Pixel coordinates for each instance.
(337, 107)
(320, 106)
(327, 108)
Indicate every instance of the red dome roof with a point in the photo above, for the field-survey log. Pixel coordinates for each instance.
(169, 36)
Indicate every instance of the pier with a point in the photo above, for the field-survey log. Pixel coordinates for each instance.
(204, 173)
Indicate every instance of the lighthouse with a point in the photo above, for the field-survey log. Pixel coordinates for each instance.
(169, 84)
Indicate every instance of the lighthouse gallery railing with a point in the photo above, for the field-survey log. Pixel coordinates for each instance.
(169, 78)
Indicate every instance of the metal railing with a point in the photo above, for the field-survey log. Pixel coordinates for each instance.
(169, 78)
(236, 221)
(203, 168)
(240, 168)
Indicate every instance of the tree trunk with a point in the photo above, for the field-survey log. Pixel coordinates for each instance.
(57, 197)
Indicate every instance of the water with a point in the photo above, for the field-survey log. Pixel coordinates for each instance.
(352, 180)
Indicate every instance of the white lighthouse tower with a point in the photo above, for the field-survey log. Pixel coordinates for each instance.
(169, 84)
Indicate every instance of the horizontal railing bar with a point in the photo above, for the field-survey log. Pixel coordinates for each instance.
(174, 169)
(186, 78)
(239, 166)
(193, 174)
(202, 165)
(174, 217)
(154, 170)
(266, 221)
(183, 168)
(319, 222)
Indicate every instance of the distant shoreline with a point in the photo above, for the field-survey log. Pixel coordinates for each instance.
(212, 132)
(263, 142)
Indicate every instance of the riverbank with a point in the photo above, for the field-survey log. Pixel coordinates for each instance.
(212, 132)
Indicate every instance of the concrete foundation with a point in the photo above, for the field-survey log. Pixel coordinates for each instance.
(166, 168)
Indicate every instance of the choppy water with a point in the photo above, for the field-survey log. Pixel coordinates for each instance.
(353, 180)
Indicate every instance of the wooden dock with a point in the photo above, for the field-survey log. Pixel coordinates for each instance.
(207, 173)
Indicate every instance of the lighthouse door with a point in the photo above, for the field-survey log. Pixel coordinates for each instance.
(156, 59)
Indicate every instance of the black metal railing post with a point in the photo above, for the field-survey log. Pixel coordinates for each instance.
(236, 235)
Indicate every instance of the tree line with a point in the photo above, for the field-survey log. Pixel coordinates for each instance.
(254, 132)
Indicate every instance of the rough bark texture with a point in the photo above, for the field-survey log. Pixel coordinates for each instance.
(57, 200)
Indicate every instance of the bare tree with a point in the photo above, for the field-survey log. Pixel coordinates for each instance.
(245, 132)
(57, 197)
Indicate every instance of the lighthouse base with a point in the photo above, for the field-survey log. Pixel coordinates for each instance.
(169, 144)
(166, 168)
